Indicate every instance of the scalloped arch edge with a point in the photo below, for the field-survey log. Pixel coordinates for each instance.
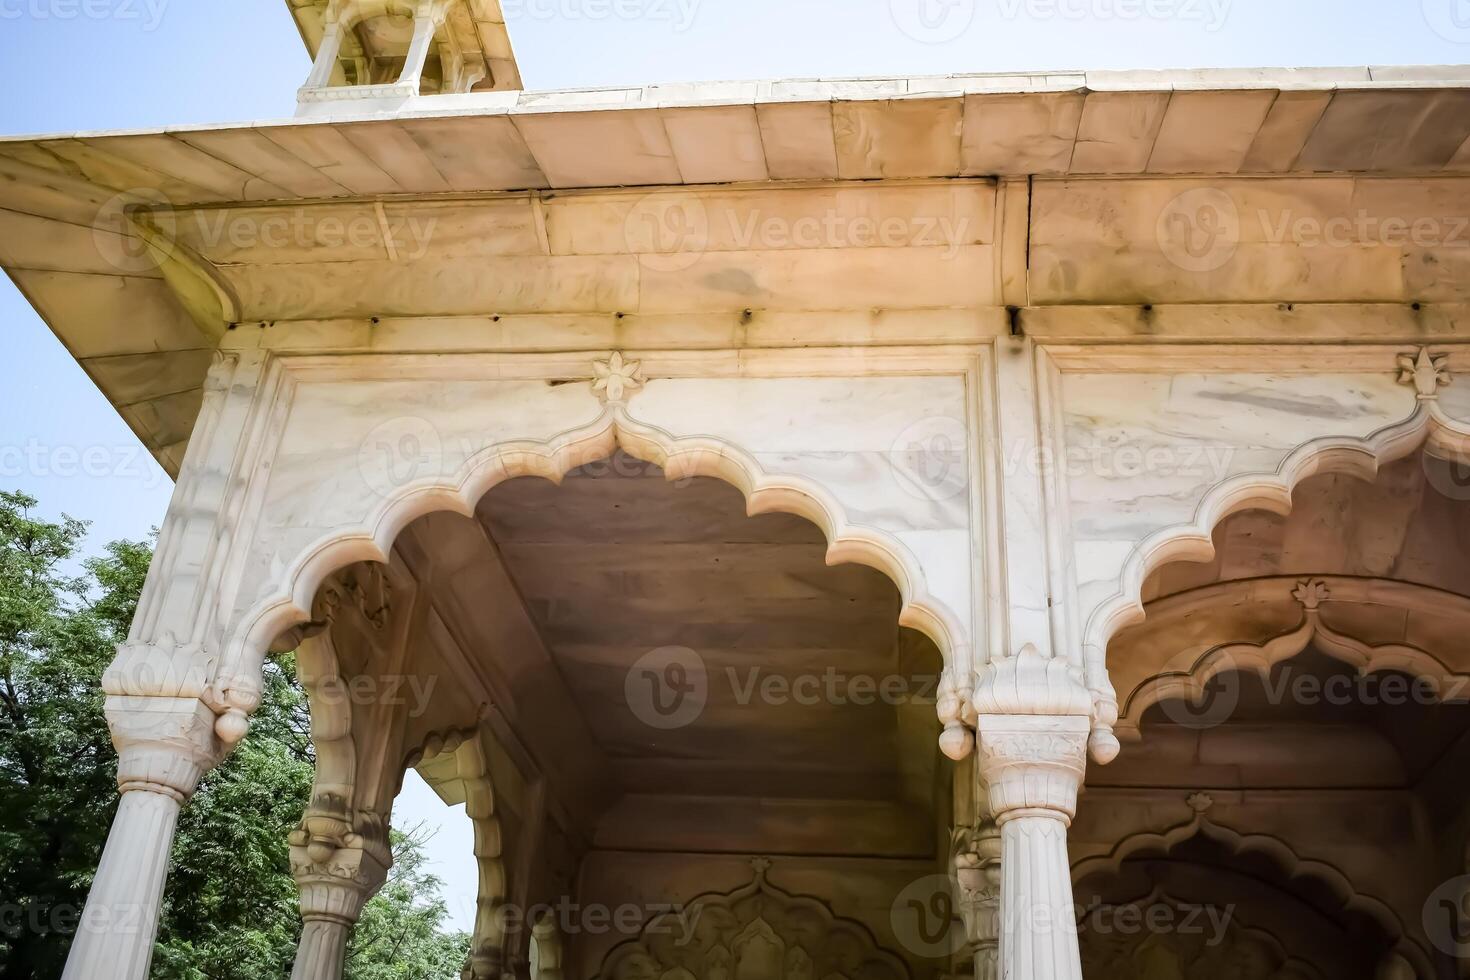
(680, 458)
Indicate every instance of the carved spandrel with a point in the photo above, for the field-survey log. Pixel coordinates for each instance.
(757, 932)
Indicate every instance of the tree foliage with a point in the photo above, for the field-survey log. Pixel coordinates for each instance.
(230, 911)
(399, 935)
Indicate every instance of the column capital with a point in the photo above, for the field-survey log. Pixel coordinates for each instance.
(167, 668)
(164, 744)
(1031, 682)
(1033, 764)
(336, 887)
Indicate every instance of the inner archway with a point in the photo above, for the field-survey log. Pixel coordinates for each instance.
(665, 688)
(1311, 679)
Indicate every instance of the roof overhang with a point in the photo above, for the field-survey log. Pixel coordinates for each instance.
(144, 329)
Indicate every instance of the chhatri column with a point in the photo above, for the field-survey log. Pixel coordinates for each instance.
(1033, 725)
(335, 884)
(326, 57)
(427, 19)
(164, 746)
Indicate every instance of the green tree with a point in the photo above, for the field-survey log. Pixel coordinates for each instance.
(230, 912)
(399, 936)
(57, 790)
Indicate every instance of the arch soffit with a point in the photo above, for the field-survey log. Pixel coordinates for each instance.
(1188, 678)
(1293, 967)
(1293, 867)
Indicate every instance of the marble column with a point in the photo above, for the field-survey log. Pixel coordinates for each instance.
(164, 746)
(335, 884)
(326, 57)
(1032, 757)
(424, 26)
(323, 948)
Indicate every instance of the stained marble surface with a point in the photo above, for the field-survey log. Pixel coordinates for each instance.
(1142, 451)
(891, 451)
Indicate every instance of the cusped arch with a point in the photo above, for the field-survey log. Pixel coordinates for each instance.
(1150, 946)
(1292, 866)
(1189, 679)
(759, 930)
(1428, 427)
(680, 459)
(455, 764)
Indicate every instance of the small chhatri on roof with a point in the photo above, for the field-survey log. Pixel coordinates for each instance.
(393, 51)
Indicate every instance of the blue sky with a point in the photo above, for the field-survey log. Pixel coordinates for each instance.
(111, 64)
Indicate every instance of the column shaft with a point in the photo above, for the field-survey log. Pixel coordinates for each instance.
(323, 950)
(326, 58)
(1037, 915)
(418, 51)
(120, 922)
